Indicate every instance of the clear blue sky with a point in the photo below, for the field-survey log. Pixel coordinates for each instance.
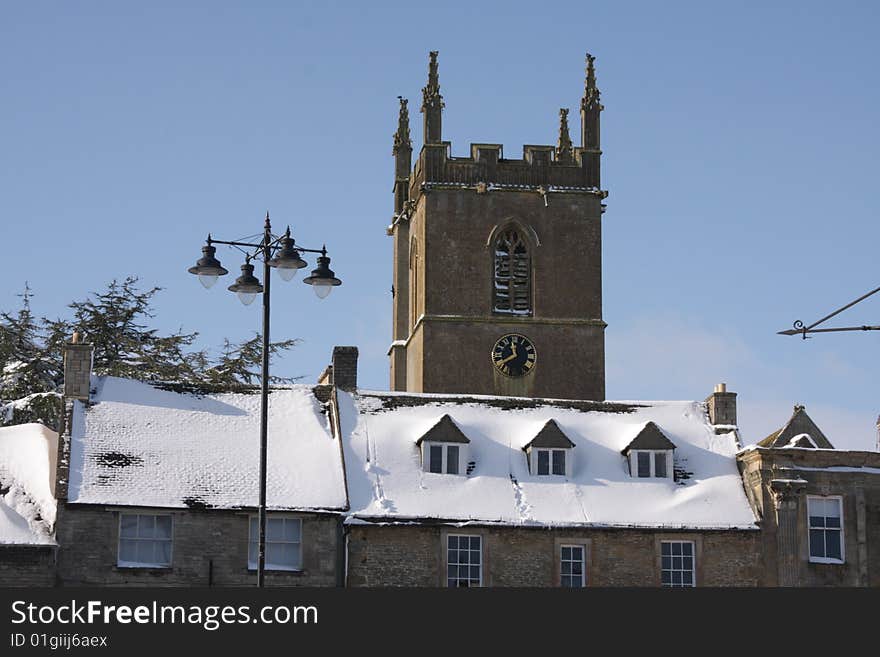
(740, 146)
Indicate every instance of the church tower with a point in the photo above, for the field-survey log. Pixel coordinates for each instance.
(498, 262)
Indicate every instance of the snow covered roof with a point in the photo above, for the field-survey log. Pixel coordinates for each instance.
(139, 445)
(799, 424)
(387, 483)
(27, 466)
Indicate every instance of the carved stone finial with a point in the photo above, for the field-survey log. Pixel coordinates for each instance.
(432, 103)
(564, 148)
(431, 92)
(401, 137)
(591, 91)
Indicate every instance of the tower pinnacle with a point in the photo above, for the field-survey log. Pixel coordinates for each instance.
(432, 103)
(564, 152)
(401, 137)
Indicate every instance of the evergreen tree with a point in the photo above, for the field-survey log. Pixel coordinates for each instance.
(116, 323)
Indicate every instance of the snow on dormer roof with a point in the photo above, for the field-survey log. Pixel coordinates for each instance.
(550, 436)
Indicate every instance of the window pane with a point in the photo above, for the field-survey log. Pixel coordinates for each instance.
(676, 577)
(464, 556)
(832, 544)
(676, 548)
(146, 526)
(274, 529)
(452, 459)
(566, 553)
(558, 462)
(817, 543)
(644, 459)
(252, 555)
(577, 553)
(687, 578)
(163, 527)
(832, 522)
(436, 459)
(475, 556)
(452, 542)
(163, 552)
(666, 577)
(475, 573)
(144, 552)
(543, 462)
(566, 567)
(128, 526)
(128, 551)
(817, 521)
(687, 548)
(293, 530)
(665, 548)
(452, 557)
(254, 529)
(577, 568)
(666, 563)
(659, 464)
(451, 571)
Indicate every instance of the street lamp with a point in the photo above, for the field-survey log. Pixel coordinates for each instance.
(283, 254)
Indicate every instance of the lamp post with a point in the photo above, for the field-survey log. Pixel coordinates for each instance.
(283, 254)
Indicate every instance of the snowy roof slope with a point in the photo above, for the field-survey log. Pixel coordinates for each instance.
(27, 467)
(386, 481)
(139, 445)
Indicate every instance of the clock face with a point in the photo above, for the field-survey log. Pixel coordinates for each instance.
(514, 355)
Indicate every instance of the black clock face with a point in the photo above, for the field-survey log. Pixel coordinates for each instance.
(514, 355)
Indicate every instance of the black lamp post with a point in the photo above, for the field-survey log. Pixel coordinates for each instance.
(283, 254)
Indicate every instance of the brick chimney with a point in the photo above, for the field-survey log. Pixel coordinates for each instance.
(722, 406)
(77, 369)
(345, 368)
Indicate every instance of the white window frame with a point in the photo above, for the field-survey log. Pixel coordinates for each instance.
(426, 456)
(255, 542)
(583, 562)
(672, 568)
(137, 564)
(825, 498)
(533, 453)
(634, 462)
(469, 565)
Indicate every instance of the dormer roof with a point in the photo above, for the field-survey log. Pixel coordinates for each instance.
(550, 436)
(445, 431)
(650, 437)
(792, 434)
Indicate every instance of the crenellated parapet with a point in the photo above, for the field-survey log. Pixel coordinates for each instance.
(540, 167)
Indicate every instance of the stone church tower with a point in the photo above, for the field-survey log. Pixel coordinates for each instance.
(498, 262)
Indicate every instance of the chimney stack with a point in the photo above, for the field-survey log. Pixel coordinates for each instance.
(722, 406)
(345, 368)
(77, 368)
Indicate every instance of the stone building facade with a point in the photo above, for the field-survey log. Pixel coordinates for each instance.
(819, 508)
(406, 555)
(210, 548)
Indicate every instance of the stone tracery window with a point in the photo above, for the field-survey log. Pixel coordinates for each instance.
(513, 274)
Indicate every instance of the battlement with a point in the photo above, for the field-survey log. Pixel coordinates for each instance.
(539, 167)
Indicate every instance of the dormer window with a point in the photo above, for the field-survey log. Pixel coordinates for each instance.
(650, 453)
(650, 463)
(443, 458)
(550, 461)
(548, 451)
(443, 448)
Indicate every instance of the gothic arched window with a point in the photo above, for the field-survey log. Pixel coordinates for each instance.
(513, 274)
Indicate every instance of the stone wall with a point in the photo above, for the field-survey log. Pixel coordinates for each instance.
(414, 555)
(779, 482)
(27, 565)
(209, 548)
